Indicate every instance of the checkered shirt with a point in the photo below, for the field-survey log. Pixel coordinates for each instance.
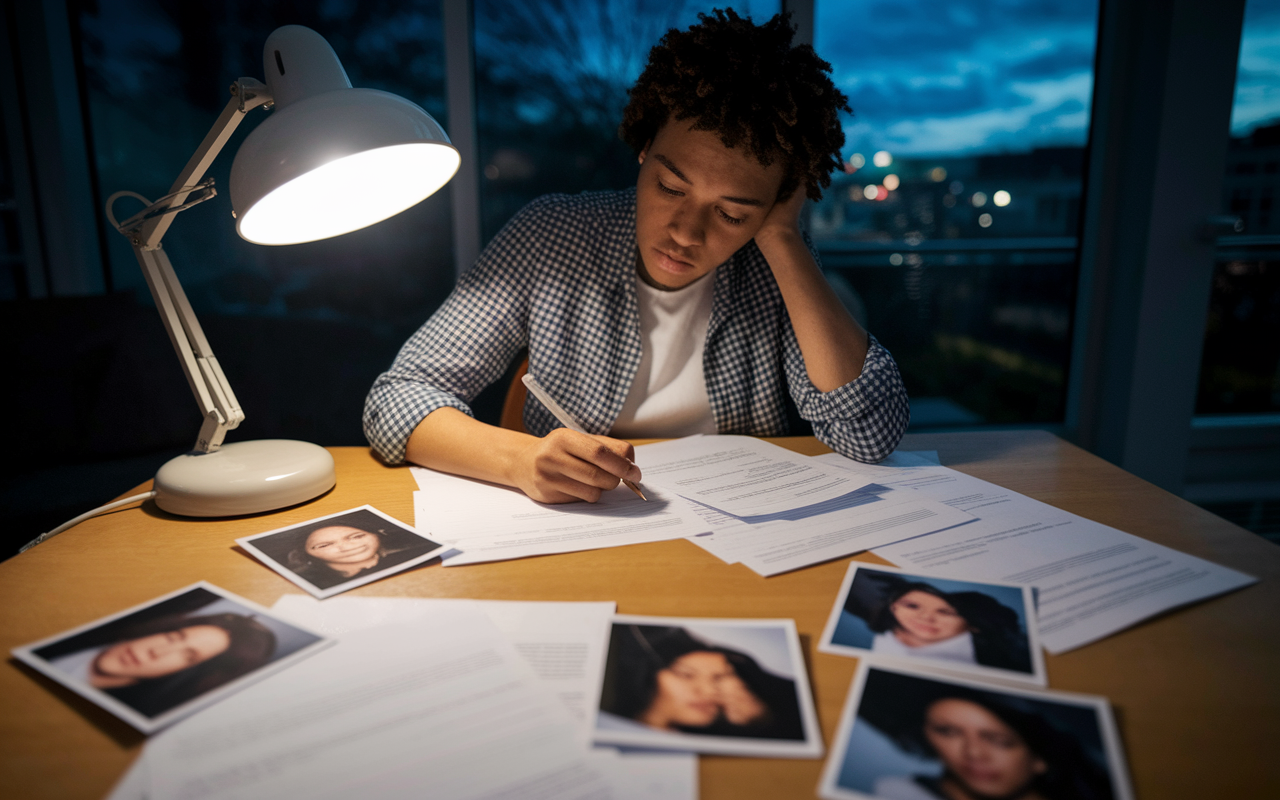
(559, 279)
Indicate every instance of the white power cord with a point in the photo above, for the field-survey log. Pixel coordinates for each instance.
(73, 522)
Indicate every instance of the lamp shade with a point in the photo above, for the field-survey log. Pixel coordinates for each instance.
(331, 159)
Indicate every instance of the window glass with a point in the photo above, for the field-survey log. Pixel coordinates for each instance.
(551, 82)
(313, 323)
(952, 232)
(1240, 367)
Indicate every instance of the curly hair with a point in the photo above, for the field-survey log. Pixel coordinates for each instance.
(747, 83)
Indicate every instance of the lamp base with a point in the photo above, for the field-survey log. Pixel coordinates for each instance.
(244, 478)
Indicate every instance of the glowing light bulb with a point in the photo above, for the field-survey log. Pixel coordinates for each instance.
(891, 182)
(1002, 198)
(882, 158)
(870, 191)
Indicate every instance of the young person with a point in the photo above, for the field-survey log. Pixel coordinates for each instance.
(689, 304)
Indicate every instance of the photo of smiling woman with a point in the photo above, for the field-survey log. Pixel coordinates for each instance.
(957, 741)
(951, 623)
(342, 551)
(665, 679)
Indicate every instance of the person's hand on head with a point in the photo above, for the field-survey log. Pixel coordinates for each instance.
(738, 703)
(783, 220)
(566, 466)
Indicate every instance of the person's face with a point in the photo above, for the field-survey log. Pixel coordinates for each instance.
(341, 544)
(987, 756)
(161, 653)
(697, 203)
(689, 690)
(927, 619)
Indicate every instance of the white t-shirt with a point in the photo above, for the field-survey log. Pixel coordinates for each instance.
(668, 397)
(957, 648)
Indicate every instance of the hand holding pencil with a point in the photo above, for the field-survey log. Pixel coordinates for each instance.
(567, 420)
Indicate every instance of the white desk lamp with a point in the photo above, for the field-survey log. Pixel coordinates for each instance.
(330, 160)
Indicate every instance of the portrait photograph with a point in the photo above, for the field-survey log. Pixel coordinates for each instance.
(932, 622)
(331, 554)
(910, 735)
(155, 663)
(729, 686)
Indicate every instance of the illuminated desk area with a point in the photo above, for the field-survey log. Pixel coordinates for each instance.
(1196, 692)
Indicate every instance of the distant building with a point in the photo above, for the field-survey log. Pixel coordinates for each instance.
(1253, 171)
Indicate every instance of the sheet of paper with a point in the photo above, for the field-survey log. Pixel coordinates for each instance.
(443, 708)
(1092, 580)
(563, 643)
(777, 547)
(741, 475)
(648, 776)
(491, 523)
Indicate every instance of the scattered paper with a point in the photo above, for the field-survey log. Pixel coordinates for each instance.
(1092, 580)
(444, 708)
(741, 475)
(490, 523)
(562, 643)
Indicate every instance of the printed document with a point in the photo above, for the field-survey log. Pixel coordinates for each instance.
(885, 516)
(1092, 580)
(443, 708)
(491, 523)
(741, 475)
(563, 643)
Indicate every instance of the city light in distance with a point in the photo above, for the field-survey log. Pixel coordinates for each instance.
(896, 259)
(881, 193)
(891, 182)
(956, 187)
(882, 159)
(985, 220)
(1002, 198)
(979, 200)
(938, 174)
(870, 192)
(857, 161)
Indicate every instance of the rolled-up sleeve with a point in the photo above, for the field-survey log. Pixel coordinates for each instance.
(466, 345)
(864, 419)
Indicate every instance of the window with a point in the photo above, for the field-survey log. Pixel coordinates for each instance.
(1240, 366)
(314, 323)
(953, 231)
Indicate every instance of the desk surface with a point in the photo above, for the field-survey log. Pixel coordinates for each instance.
(1196, 692)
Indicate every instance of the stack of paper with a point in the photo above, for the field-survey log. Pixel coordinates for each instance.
(780, 511)
(485, 522)
(1091, 580)
(419, 698)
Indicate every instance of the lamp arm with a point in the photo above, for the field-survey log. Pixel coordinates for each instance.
(218, 405)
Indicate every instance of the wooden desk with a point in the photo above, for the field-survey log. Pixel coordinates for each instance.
(1196, 692)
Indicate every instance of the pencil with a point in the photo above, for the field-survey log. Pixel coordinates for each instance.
(566, 419)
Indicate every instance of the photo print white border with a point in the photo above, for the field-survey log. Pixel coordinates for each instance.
(27, 655)
(247, 542)
(829, 789)
(1036, 677)
(704, 627)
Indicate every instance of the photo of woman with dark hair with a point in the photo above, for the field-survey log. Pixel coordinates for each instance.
(956, 624)
(157, 662)
(160, 664)
(341, 551)
(664, 679)
(986, 742)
